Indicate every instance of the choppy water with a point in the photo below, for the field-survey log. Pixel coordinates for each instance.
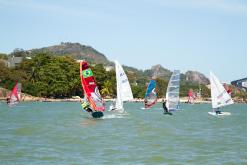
(60, 133)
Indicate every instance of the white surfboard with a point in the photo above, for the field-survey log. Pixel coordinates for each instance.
(219, 114)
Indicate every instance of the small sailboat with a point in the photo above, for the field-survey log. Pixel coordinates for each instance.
(191, 96)
(219, 96)
(150, 95)
(15, 95)
(172, 93)
(91, 90)
(124, 92)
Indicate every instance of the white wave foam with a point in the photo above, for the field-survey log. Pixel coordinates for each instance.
(113, 116)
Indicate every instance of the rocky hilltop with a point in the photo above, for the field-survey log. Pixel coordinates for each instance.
(76, 51)
(88, 53)
(158, 71)
(197, 77)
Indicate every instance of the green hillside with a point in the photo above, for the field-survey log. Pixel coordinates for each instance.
(53, 72)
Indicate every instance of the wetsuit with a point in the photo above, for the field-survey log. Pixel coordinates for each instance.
(145, 102)
(218, 112)
(95, 114)
(8, 100)
(85, 106)
(112, 108)
(166, 112)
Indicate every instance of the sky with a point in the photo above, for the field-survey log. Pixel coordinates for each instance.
(200, 35)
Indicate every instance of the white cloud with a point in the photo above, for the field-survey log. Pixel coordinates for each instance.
(217, 5)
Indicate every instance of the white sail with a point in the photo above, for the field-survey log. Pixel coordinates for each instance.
(124, 92)
(219, 95)
(172, 92)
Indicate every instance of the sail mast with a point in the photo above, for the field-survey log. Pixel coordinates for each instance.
(119, 102)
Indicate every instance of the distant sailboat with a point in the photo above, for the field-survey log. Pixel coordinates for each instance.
(150, 95)
(124, 92)
(191, 96)
(219, 96)
(172, 93)
(15, 95)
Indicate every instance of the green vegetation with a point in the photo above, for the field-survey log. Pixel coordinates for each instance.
(241, 94)
(45, 75)
(53, 76)
(3, 56)
(186, 86)
(8, 76)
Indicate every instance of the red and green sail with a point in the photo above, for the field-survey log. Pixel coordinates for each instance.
(90, 87)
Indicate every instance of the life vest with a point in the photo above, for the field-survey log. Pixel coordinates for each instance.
(85, 105)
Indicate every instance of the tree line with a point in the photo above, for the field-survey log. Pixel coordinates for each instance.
(52, 76)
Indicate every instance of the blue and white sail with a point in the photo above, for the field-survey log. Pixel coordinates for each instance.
(150, 95)
(172, 93)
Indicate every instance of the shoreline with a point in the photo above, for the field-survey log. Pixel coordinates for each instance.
(28, 98)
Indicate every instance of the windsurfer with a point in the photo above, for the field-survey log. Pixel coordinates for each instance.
(85, 106)
(165, 108)
(112, 107)
(217, 111)
(8, 100)
(145, 102)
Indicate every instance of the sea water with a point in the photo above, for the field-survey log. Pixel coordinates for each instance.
(61, 133)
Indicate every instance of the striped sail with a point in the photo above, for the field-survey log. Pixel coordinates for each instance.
(172, 93)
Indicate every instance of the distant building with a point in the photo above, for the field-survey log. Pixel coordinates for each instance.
(109, 68)
(78, 61)
(242, 83)
(14, 61)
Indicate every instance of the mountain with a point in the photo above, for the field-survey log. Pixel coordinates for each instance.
(83, 52)
(76, 51)
(196, 77)
(158, 71)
